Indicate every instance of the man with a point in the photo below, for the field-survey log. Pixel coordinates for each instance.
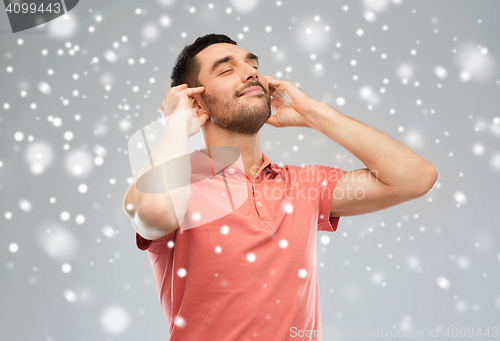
(233, 244)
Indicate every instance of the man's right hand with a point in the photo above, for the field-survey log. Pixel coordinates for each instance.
(180, 101)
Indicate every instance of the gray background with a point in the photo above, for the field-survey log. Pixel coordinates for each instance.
(428, 264)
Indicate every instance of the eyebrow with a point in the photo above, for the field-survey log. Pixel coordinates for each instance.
(226, 59)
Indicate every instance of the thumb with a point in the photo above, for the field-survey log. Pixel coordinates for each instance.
(272, 121)
(203, 118)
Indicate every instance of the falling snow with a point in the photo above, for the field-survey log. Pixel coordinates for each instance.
(75, 90)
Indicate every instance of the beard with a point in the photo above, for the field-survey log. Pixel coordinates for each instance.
(239, 115)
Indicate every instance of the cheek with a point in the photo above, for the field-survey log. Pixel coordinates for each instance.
(223, 90)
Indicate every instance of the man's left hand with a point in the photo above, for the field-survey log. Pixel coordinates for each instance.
(292, 105)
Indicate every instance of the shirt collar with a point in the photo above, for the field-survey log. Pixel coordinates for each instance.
(222, 157)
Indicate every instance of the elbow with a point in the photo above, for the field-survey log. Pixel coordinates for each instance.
(155, 217)
(128, 207)
(129, 202)
(427, 180)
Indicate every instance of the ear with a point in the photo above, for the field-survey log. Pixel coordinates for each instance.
(198, 105)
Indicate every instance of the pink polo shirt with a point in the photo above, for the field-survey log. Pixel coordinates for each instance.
(242, 265)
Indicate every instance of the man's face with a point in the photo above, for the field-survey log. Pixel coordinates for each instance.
(224, 86)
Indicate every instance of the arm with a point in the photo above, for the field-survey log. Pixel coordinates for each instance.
(394, 172)
(154, 215)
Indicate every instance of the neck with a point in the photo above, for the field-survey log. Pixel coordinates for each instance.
(250, 158)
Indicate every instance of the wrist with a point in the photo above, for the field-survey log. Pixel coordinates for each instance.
(321, 116)
(178, 121)
(313, 117)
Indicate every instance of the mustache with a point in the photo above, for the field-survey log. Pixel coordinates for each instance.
(257, 83)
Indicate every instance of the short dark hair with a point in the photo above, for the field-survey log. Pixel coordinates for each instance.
(187, 66)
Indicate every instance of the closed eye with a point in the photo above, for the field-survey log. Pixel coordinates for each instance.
(255, 67)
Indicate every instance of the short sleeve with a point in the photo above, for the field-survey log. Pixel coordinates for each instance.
(329, 178)
(159, 245)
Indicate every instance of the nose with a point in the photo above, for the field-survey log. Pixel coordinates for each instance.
(251, 72)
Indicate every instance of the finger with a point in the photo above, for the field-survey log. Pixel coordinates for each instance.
(272, 121)
(203, 118)
(161, 109)
(178, 87)
(163, 104)
(274, 82)
(194, 91)
(270, 77)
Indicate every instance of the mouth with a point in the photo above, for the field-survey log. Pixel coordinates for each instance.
(254, 90)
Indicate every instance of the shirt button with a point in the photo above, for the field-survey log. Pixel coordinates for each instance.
(231, 170)
(259, 203)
